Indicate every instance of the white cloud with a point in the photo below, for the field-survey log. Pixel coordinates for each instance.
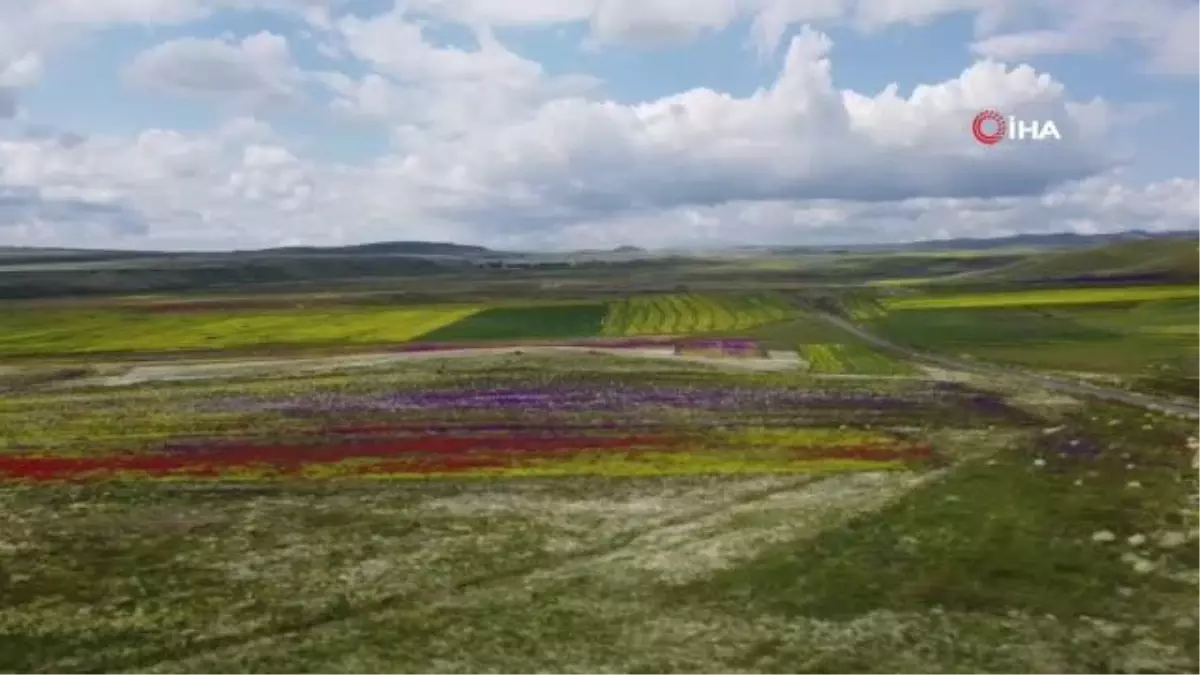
(21, 72)
(488, 146)
(800, 160)
(1099, 204)
(1164, 29)
(254, 71)
(659, 22)
(799, 139)
(442, 89)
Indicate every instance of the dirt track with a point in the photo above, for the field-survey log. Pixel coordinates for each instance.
(174, 371)
(1074, 387)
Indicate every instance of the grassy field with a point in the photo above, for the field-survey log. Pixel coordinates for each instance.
(1040, 297)
(1123, 339)
(826, 348)
(324, 320)
(850, 357)
(514, 323)
(589, 514)
(32, 331)
(657, 507)
(683, 313)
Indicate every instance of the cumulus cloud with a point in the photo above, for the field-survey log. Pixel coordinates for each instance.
(255, 70)
(660, 22)
(1104, 203)
(1165, 30)
(489, 146)
(797, 161)
(799, 139)
(444, 90)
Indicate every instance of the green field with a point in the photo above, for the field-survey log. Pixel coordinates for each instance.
(515, 323)
(1132, 341)
(238, 325)
(685, 313)
(802, 328)
(850, 357)
(1038, 297)
(269, 481)
(986, 558)
(827, 349)
(28, 332)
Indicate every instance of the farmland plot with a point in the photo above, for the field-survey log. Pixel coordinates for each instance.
(681, 314)
(524, 323)
(1042, 297)
(588, 419)
(1129, 340)
(589, 514)
(56, 332)
(850, 358)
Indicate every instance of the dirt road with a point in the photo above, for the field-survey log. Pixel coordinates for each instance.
(1074, 387)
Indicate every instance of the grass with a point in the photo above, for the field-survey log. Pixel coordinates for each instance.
(36, 332)
(805, 328)
(995, 537)
(1131, 340)
(851, 357)
(752, 522)
(688, 313)
(986, 565)
(965, 328)
(536, 322)
(1161, 259)
(827, 348)
(1031, 298)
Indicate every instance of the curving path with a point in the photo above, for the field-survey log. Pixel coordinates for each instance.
(1040, 379)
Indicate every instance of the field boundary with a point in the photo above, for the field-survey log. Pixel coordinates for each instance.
(1079, 388)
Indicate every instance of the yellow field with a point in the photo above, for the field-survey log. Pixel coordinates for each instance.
(684, 313)
(1058, 296)
(108, 330)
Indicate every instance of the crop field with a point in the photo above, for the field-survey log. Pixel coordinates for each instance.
(686, 313)
(540, 514)
(850, 358)
(558, 473)
(91, 330)
(1130, 339)
(411, 423)
(1041, 297)
(534, 322)
(297, 322)
(827, 348)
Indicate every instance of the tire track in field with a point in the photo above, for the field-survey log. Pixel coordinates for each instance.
(1042, 380)
(340, 614)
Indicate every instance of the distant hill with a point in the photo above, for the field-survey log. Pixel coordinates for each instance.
(415, 248)
(1057, 240)
(1152, 259)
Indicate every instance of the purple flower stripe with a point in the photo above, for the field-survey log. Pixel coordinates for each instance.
(580, 399)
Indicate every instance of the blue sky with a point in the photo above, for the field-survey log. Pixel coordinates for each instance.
(504, 144)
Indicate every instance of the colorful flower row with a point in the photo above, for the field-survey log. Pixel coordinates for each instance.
(446, 455)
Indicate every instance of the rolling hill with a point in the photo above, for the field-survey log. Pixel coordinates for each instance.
(1148, 260)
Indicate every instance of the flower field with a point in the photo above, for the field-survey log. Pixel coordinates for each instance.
(157, 327)
(584, 512)
(420, 421)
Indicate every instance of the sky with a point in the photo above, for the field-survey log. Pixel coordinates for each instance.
(562, 124)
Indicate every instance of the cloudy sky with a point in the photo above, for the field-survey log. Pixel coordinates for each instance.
(217, 124)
